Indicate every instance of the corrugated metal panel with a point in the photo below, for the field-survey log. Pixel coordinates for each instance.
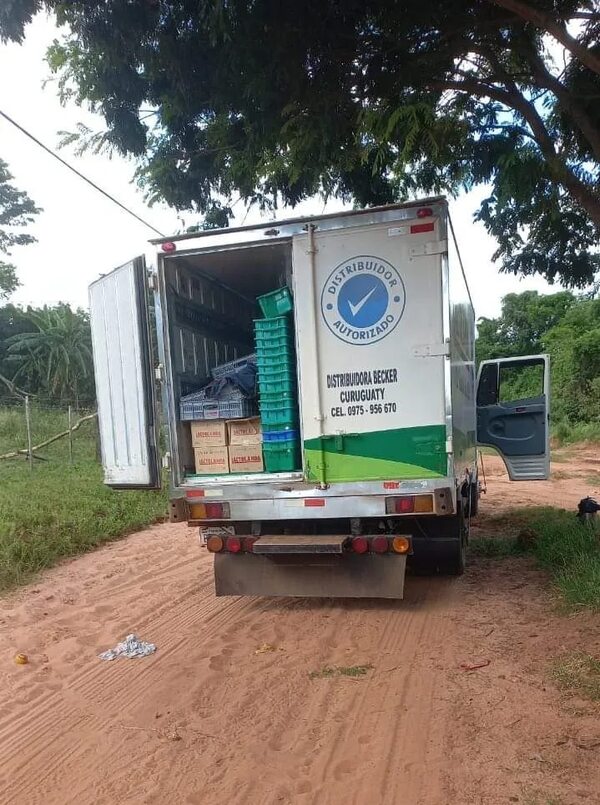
(124, 382)
(195, 349)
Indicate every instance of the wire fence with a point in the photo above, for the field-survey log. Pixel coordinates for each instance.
(30, 425)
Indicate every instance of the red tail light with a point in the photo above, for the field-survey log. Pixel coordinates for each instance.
(424, 212)
(360, 545)
(416, 229)
(217, 511)
(380, 545)
(249, 544)
(234, 544)
(168, 247)
(404, 505)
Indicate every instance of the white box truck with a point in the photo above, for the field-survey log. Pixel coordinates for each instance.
(390, 409)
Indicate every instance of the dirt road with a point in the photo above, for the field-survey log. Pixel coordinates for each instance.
(207, 719)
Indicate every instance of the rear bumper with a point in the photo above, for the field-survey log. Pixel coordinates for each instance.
(311, 576)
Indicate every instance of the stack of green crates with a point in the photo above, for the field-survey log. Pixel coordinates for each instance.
(278, 393)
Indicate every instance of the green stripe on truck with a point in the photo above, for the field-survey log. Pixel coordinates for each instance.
(405, 453)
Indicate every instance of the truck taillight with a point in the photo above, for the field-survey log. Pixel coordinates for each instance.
(209, 511)
(401, 544)
(360, 545)
(380, 544)
(249, 544)
(409, 504)
(214, 544)
(233, 544)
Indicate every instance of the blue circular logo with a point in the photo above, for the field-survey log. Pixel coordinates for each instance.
(363, 299)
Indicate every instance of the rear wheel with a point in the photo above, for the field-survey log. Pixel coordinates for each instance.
(473, 498)
(445, 550)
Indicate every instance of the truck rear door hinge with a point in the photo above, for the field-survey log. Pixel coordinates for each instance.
(433, 247)
(432, 350)
(166, 461)
(159, 373)
(151, 280)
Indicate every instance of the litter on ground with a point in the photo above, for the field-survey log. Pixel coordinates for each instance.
(131, 647)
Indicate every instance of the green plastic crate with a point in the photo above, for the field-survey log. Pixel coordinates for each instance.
(282, 386)
(275, 340)
(281, 324)
(280, 373)
(276, 303)
(277, 396)
(281, 359)
(282, 456)
(275, 420)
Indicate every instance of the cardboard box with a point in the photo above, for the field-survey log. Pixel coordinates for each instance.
(245, 458)
(244, 431)
(211, 460)
(209, 433)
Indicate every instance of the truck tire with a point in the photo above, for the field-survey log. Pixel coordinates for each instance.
(456, 564)
(474, 499)
(448, 555)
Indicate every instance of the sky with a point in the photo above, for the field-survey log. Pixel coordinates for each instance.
(80, 234)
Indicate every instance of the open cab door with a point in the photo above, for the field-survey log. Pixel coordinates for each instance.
(119, 316)
(513, 405)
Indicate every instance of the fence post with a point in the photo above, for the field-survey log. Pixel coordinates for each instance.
(28, 424)
(70, 438)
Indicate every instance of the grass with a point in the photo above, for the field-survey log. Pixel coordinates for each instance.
(59, 510)
(329, 671)
(568, 549)
(570, 433)
(578, 672)
(495, 547)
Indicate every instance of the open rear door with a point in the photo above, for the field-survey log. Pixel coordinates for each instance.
(513, 405)
(124, 378)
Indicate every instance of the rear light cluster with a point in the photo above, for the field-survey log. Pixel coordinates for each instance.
(409, 504)
(380, 544)
(209, 511)
(230, 544)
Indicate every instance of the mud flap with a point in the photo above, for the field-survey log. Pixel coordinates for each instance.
(347, 576)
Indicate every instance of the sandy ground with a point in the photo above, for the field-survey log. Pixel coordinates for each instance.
(207, 719)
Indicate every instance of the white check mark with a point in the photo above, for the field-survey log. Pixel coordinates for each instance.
(354, 309)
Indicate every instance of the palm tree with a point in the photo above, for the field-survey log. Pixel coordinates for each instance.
(56, 357)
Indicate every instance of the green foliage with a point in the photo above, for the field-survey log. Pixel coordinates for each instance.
(364, 100)
(48, 351)
(578, 672)
(568, 328)
(494, 547)
(17, 210)
(71, 511)
(569, 549)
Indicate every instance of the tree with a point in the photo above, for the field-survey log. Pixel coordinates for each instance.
(370, 100)
(574, 346)
(523, 323)
(561, 324)
(16, 210)
(54, 358)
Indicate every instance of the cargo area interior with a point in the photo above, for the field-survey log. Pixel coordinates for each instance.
(233, 365)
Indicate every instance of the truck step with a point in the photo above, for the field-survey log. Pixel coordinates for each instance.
(283, 544)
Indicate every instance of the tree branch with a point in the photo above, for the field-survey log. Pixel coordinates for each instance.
(35, 448)
(567, 102)
(513, 99)
(555, 28)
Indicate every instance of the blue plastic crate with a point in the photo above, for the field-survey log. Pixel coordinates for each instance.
(281, 436)
(226, 368)
(191, 409)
